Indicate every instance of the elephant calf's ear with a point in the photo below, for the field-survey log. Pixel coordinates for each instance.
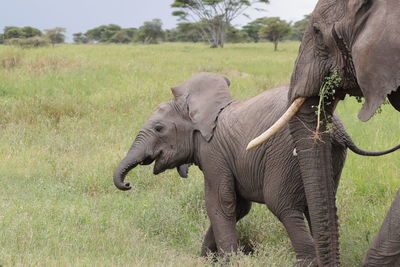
(183, 170)
(205, 94)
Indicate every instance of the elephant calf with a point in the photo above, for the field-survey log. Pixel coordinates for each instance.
(203, 125)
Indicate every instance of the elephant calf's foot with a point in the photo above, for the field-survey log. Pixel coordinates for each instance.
(209, 252)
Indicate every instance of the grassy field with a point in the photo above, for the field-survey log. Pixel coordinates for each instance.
(69, 114)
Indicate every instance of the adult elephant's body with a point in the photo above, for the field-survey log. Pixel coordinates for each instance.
(360, 40)
(205, 126)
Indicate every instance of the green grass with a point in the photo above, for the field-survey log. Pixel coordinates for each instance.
(69, 114)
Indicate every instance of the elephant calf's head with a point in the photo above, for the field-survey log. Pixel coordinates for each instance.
(167, 137)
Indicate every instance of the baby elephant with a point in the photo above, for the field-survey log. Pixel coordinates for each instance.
(203, 125)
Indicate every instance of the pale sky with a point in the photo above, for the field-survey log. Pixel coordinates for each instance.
(81, 15)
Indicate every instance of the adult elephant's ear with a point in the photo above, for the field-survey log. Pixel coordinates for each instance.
(376, 54)
(205, 95)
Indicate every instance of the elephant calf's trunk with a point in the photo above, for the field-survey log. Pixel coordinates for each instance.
(278, 125)
(120, 173)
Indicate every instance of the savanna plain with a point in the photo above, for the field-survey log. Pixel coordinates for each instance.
(69, 113)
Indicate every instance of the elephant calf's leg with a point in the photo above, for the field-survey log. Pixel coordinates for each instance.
(209, 245)
(300, 237)
(220, 199)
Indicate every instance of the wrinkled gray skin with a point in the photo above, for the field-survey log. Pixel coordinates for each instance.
(360, 39)
(385, 249)
(204, 126)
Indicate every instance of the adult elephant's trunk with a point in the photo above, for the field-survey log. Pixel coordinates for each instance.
(315, 159)
(314, 149)
(135, 156)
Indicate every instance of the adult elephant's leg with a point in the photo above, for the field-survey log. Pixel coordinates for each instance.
(209, 245)
(300, 237)
(314, 151)
(385, 249)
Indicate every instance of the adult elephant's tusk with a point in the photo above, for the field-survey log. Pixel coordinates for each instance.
(278, 125)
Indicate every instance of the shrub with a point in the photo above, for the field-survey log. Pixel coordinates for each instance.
(28, 42)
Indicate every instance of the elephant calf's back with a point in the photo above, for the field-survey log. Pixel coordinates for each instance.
(271, 170)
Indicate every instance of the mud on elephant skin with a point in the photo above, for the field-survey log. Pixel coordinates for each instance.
(204, 126)
(360, 40)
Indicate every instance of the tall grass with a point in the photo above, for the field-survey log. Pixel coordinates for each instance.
(68, 115)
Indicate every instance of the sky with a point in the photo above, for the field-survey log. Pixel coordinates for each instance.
(81, 15)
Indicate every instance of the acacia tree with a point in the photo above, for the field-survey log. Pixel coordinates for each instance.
(150, 32)
(253, 29)
(274, 30)
(80, 38)
(216, 15)
(102, 33)
(56, 35)
(11, 32)
(189, 32)
(124, 36)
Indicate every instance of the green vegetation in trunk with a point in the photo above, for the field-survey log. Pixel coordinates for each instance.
(326, 96)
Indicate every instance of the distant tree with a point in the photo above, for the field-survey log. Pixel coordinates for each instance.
(1, 38)
(80, 38)
(56, 35)
(131, 32)
(216, 15)
(151, 32)
(12, 32)
(190, 32)
(253, 29)
(103, 33)
(171, 35)
(234, 35)
(274, 30)
(299, 27)
(16, 32)
(123, 36)
(30, 32)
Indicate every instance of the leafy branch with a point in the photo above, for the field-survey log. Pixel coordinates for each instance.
(327, 92)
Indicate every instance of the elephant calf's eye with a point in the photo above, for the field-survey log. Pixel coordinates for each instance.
(158, 128)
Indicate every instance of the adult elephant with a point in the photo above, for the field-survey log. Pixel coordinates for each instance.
(360, 40)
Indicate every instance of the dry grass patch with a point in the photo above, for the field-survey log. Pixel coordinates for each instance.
(10, 62)
(45, 64)
(235, 73)
(38, 109)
